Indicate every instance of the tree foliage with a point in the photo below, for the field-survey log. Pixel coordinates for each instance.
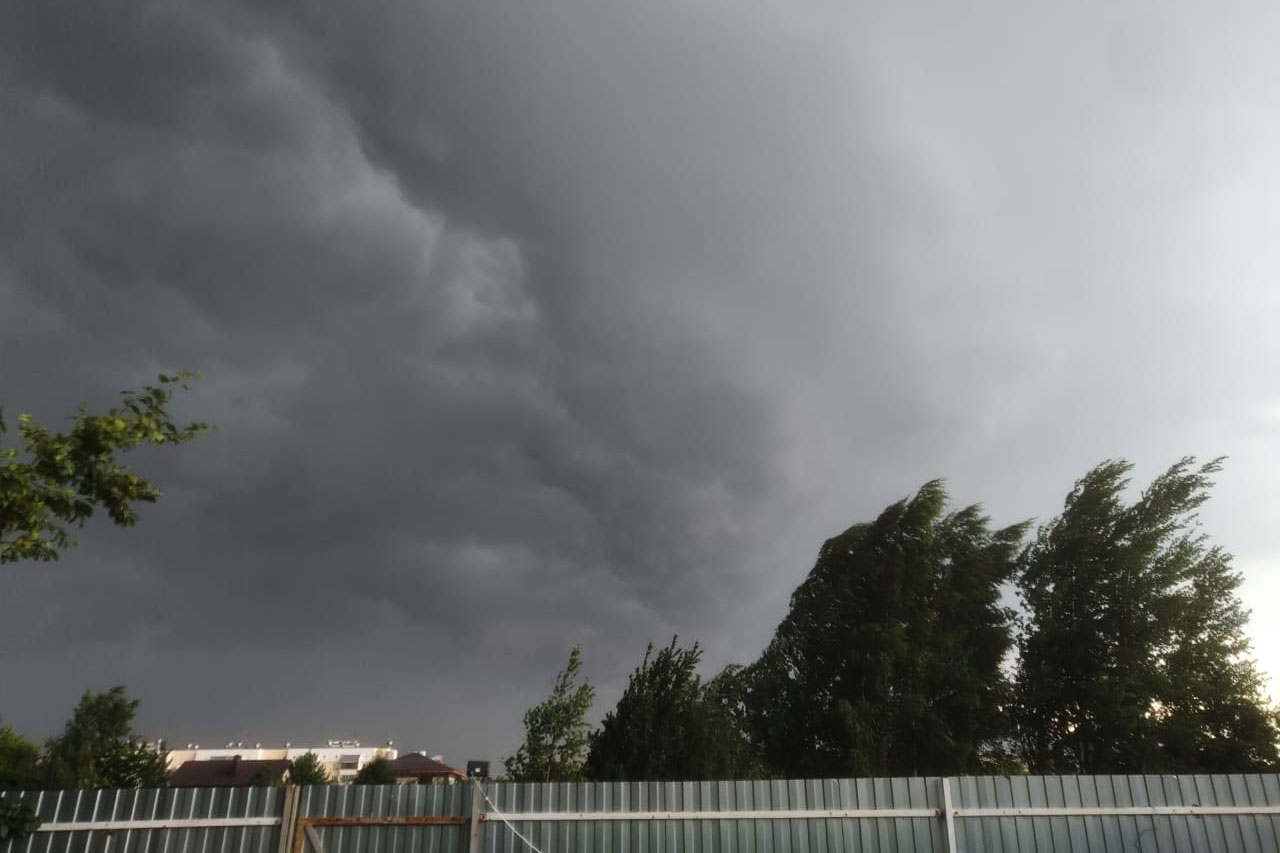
(17, 822)
(264, 778)
(556, 731)
(668, 725)
(1134, 657)
(307, 770)
(19, 761)
(888, 662)
(59, 478)
(98, 748)
(376, 772)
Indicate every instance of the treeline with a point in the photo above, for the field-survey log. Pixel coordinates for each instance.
(1127, 655)
(98, 748)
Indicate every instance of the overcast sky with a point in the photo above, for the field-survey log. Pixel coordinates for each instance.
(533, 324)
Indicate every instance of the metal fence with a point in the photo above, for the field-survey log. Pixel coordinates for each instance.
(1020, 814)
(173, 820)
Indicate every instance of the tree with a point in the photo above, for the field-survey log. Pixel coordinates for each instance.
(556, 731)
(17, 822)
(99, 749)
(889, 660)
(669, 726)
(1134, 658)
(19, 760)
(376, 772)
(307, 770)
(724, 700)
(264, 778)
(59, 479)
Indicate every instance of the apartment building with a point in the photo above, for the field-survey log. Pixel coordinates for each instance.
(341, 759)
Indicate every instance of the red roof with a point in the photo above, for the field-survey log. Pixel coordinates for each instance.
(229, 772)
(419, 765)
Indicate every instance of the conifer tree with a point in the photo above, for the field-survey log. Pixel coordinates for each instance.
(307, 770)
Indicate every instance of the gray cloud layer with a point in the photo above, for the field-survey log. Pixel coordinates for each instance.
(535, 324)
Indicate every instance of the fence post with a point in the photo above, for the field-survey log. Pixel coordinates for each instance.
(288, 818)
(948, 812)
(477, 805)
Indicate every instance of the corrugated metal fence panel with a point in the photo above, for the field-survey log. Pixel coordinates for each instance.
(1104, 833)
(388, 801)
(751, 835)
(98, 806)
(1230, 833)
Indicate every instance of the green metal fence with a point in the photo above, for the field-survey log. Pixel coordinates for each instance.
(1018, 814)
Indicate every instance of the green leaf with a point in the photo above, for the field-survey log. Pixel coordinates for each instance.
(61, 478)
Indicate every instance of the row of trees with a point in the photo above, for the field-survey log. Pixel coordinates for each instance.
(99, 748)
(1128, 655)
(307, 770)
(895, 656)
(668, 724)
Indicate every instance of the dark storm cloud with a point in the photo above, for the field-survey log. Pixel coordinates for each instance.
(535, 325)
(430, 421)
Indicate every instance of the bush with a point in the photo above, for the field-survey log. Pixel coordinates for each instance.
(17, 821)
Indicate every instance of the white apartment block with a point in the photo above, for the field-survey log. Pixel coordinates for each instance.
(341, 759)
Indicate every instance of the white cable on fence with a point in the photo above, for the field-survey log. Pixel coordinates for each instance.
(494, 808)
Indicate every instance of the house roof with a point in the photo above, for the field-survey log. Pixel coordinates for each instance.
(417, 764)
(228, 772)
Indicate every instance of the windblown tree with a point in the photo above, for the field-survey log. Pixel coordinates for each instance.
(668, 725)
(556, 731)
(99, 748)
(58, 479)
(889, 660)
(1134, 658)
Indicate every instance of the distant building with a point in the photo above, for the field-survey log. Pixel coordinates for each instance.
(418, 769)
(230, 773)
(341, 759)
